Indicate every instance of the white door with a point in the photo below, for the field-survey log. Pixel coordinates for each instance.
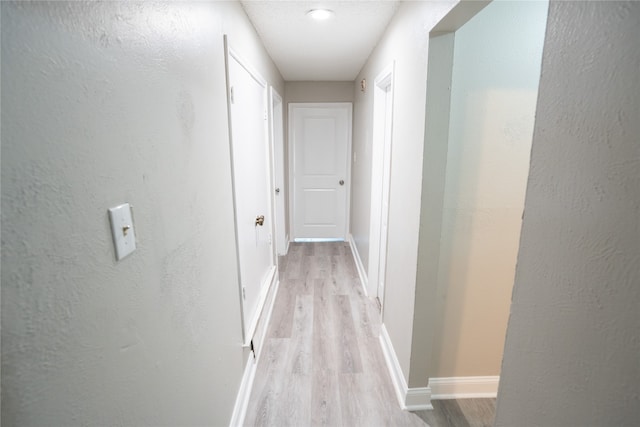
(252, 188)
(320, 140)
(277, 132)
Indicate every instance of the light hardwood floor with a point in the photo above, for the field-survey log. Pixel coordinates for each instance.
(460, 413)
(321, 363)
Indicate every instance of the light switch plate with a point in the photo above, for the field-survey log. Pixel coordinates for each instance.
(124, 236)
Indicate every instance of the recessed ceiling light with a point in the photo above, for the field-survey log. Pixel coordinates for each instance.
(320, 14)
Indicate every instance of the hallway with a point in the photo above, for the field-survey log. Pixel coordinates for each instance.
(322, 363)
(126, 106)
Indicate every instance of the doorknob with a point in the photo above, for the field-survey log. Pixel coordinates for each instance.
(341, 182)
(260, 220)
(277, 191)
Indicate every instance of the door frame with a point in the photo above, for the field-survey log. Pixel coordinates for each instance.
(249, 328)
(291, 162)
(380, 98)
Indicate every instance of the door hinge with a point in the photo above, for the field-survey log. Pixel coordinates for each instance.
(231, 96)
(265, 114)
(244, 293)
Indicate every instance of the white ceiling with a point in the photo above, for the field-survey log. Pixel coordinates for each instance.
(332, 50)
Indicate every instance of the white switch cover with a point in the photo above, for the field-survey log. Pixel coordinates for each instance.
(124, 237)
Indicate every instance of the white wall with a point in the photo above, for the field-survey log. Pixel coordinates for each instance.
(405, 42)
(496, 69)
(571, 354)
(105, 103)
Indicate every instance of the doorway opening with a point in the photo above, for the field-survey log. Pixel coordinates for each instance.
(481, 103)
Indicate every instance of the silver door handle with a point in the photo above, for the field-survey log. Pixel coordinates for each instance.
(341, 182)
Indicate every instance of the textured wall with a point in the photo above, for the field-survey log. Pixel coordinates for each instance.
(573, 342)
(105, 103)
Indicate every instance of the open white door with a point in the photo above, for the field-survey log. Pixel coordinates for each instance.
(320, 144)
(247, 97)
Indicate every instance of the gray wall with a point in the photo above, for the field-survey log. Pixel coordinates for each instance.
(572, 351)
(436, 139)
(318, 92)
(105, 103)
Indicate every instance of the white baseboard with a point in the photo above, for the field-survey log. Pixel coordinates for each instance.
(411, 399)
(265, 322)
(418, 399)
(361, 271)
(464, 387)
(246, 384)
(242, 399)
(395, 371)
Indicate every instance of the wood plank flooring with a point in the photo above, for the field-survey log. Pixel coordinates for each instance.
(321, 363)
(460, 413)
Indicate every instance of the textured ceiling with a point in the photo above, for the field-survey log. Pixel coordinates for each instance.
(332, 50)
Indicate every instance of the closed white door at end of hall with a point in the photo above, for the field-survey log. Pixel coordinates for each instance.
(320, 140)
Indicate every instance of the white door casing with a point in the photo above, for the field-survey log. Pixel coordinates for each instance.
(320, 148)
(380, 182)
(247, 98)
(277, 140)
